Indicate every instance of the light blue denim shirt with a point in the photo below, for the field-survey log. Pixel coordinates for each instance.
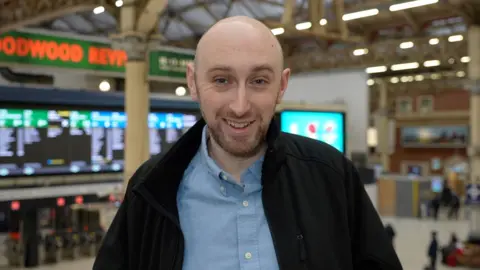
(223, 222)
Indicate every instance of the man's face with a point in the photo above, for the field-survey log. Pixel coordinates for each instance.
(238, 83)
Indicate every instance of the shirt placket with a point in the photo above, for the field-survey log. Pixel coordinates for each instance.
(247, 233)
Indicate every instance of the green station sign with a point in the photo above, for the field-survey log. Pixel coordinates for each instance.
(54, 51)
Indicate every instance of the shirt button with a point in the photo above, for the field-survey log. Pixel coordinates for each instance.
(223, 176)
(245, 203)
(222, 188)
(248, 255)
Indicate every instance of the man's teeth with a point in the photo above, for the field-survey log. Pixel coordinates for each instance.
(239, 124)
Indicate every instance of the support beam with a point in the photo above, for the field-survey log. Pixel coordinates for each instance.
(291, 32)
(411, 21)
(288, 10)
(382, 125)
(17, 14)
(383, 53)
(474, 146)
(138, 22)
(315, 14)
(148, 18)
(339, 11)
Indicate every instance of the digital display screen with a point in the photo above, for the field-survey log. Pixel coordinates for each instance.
(437, 184)
(41, 142)
(328, 127)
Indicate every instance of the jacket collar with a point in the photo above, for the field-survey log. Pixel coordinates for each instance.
(161, 183)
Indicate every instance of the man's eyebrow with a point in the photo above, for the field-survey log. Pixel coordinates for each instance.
(264, 67)
(258, 68)
(219, 68)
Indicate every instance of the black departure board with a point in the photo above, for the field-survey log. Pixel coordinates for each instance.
(44, 142)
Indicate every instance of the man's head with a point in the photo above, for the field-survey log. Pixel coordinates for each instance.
(238, 79)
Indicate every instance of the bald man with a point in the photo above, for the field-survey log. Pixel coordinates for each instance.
(234, 193)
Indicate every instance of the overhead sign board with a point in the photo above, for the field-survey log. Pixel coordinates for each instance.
(74, 53)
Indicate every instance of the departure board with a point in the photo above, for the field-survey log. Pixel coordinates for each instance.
(41, 142)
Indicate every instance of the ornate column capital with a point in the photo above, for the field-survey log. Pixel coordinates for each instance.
(135, 44)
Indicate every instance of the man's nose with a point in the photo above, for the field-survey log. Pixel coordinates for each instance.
(241, 103)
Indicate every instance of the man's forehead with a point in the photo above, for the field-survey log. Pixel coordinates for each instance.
(239, 40)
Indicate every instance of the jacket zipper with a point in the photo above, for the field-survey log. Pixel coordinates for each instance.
(302, 250)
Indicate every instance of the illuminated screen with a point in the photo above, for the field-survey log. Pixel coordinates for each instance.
(40, 142)
(437, 184)
(328, 127)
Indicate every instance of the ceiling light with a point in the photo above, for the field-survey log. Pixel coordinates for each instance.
(419, 78)
(461, 73)
(377, 69)
(412, 4)
(434, 41)
(451, 61)
(455, 38)
(278, 31)
(465, 59)
(180, 91)
(359, 52)
(104, 86)
(370, 82)
(404, 79)
(406, 45)
(404, 66)
(118, 3)
(394, 80)
(323, 22)
(303, 25)
(431, 63)
(435, 76)
(98, 10)
(360, 14)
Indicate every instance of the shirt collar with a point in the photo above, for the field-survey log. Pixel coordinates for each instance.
(255, 168)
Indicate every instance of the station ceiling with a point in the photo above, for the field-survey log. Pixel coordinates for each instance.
(377, 35)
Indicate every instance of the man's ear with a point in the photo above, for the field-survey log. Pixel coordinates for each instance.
(283, 84)
(191, 81)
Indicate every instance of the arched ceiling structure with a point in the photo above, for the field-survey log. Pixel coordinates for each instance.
(315, 34)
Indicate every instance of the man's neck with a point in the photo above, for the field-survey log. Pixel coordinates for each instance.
(229, 163)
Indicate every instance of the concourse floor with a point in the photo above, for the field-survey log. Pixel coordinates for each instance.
(411, 243)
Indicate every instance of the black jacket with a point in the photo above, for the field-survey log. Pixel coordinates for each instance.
(319, 214)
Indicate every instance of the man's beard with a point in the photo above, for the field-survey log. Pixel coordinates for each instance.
(245, 148)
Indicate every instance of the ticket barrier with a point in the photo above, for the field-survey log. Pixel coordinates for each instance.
(15, 252)
(87, 244)
(71, 246)
(98, 240)
(53, 249)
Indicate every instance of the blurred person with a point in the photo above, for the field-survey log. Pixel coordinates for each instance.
(390, 232)
(454, 207)
(236, 193)
(433, 251)
(435, 206)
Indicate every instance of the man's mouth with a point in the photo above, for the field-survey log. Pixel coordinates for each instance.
(239, 124)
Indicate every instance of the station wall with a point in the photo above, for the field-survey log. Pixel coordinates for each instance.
(346, 87)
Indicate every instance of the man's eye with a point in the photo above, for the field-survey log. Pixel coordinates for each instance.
(221, 81)
(259, 81)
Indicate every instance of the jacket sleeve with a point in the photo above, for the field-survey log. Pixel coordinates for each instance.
(371, 247)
